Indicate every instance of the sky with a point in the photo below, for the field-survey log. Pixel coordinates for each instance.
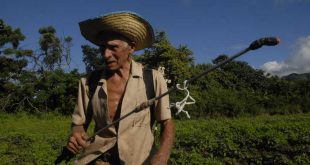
(207, 27)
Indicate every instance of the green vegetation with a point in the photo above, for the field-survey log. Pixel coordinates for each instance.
(224, 128)
(41, 80)
(28, 139)
(38, 139)
(259, 140)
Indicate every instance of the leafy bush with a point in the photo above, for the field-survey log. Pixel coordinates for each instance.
(251, 140)
(262, 140)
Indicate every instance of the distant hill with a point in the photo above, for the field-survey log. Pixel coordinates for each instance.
(295, 76)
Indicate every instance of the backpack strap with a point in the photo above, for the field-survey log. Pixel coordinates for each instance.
(150, 91)
(92, 83)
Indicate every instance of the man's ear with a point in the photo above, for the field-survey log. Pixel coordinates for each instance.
(132, 46)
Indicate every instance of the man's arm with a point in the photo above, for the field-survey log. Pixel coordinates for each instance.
(166, 142)
(77, 138)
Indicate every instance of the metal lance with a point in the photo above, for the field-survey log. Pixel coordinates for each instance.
(268, 41)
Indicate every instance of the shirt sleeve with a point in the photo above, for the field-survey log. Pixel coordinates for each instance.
(162, 106)
(79, 113)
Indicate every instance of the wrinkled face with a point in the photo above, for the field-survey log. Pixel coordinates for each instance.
(116, 52)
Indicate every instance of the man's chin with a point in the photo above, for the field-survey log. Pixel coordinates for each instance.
(112, 68)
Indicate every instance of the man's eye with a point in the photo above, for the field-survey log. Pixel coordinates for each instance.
(112, 47)
(102, 48)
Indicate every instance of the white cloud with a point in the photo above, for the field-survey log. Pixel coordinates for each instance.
(297, 62)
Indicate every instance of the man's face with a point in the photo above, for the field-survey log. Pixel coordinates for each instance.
(116, 52)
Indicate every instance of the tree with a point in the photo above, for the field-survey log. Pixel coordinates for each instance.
(245, 75)
(176, 61)
(13, 63)
(45, 88)
(92, 58)
(13, 59)
(54, 52)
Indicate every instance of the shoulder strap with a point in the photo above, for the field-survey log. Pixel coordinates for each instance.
(92, 81)
(149, 83)
(150, 90)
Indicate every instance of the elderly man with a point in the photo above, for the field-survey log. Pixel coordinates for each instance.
(122, 86)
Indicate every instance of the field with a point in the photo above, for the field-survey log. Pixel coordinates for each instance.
(37, 139)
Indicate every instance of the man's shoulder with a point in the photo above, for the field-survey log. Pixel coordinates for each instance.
(136, 65)
(92, 77)
(157, 73)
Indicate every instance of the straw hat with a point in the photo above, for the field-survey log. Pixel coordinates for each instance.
(129, 24)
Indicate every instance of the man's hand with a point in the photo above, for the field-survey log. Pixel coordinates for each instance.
(77, 140)
(166, 143)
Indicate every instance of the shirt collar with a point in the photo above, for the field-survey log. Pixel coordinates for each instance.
(136, 69)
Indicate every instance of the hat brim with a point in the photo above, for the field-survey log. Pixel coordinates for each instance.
(128, 24)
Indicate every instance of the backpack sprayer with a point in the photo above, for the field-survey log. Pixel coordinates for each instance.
(269, 41)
